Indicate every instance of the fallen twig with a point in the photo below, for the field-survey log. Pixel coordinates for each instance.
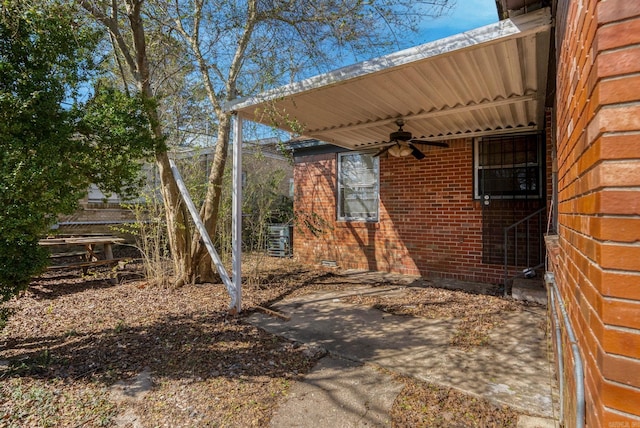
(274, 313)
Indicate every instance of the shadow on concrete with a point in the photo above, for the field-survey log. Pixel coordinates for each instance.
(513, 369)
(339, 393)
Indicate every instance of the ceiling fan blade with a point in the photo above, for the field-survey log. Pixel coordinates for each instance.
(382, 151)
(416, 153)
(431, 143)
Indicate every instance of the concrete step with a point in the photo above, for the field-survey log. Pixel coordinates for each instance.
(529, 290)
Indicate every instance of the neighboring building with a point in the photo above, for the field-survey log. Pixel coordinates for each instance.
(100, 213)
(541, 114)
(96, 214)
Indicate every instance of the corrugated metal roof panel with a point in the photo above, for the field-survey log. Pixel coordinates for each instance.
(487, 80)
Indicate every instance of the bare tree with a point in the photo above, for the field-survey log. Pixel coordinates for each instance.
(242, 47)
(132, 46)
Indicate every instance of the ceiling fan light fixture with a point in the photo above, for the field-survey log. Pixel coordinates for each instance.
(401, 143)
(394, 150)
(400, 150)
(405, 151)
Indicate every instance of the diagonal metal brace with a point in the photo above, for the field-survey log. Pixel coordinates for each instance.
(231, 288)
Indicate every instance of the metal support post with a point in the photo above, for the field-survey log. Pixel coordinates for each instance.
(205, 236)
(237, 211)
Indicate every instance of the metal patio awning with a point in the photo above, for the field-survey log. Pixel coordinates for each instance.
(485, 81)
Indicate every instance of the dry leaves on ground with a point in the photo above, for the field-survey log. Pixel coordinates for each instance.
(70, 338)
(425, 405)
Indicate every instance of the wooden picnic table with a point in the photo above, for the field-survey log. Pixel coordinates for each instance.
(89, 243)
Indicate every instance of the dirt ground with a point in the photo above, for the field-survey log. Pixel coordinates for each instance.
(69, 339)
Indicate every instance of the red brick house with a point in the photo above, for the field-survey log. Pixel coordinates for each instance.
(483, 93)
(540, 114)
(422, 217)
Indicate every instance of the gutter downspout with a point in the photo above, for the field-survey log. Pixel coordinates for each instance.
(550, 280)
(578, 369)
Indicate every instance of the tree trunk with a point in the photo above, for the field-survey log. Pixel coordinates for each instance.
(177, 225)
(201, 261)
(178, 229)
(175, 211)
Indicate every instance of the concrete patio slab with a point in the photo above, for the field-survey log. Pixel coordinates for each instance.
(514, 369)
(536, 422)
(339, 393)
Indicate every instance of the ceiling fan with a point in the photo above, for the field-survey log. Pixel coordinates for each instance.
(401, 143)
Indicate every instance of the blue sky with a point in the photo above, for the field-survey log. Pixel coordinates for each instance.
(465, 15)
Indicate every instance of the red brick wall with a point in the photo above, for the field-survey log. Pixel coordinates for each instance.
(598, 143)
(429, 223)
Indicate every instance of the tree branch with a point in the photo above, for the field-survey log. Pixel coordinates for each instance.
(243, 43)
(112, 25)
(194, 42)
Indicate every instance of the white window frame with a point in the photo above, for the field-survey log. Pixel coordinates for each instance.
(375, 187)
(539, 164)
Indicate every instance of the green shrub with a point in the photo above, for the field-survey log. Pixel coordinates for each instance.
(20, 259)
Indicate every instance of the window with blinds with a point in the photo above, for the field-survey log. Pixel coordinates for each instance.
(358, 175)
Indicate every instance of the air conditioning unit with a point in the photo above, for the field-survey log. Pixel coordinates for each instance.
(280, 240)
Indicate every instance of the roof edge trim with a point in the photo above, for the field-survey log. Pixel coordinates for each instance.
(516, 27)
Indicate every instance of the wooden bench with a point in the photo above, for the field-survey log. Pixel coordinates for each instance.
(70, 254)
(88, 264)
(90, 252)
